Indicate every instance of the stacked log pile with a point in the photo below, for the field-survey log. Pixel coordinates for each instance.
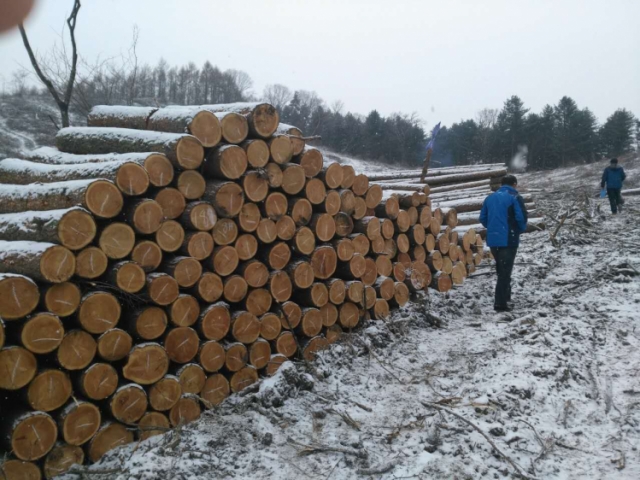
(462, 188)
(161, 259)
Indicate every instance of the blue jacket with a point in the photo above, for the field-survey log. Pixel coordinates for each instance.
(613, 177)
(505, 217)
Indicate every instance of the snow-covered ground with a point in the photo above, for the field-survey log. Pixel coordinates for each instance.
(551, 390)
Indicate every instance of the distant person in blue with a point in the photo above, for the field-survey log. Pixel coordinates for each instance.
(505, 218)
(612, 177)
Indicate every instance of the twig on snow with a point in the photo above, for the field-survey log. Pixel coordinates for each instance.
(384, 468)
(516, 467)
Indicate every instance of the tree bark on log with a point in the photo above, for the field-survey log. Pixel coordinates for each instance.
(41, 261)
(100, 197)
(184, 151)
(129, 177)
(116, 116)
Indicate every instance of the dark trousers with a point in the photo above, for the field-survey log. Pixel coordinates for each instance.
(505, 258)
(615, 199)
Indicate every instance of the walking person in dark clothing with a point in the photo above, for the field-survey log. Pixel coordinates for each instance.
(612, 177)
(505, 218)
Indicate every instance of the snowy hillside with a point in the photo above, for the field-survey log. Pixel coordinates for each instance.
(446, 388)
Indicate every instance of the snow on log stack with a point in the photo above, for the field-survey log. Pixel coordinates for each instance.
(161, 259)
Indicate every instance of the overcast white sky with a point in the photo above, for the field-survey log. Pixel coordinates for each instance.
(444, 59)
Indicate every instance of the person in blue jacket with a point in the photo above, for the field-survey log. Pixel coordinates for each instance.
(505, 218)
(612, 177)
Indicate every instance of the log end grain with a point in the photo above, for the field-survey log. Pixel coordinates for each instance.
(42, 333)
(34, 435)
(159, 169)
(76, 229)
(117, 240)
(132, 179)
(103, 199)
(49, 390)
(189, 153)
(20, 296)
(114, 345)
(57, 264)
(147, 363)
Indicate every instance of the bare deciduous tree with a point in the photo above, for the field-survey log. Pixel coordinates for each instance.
(61, 93)
(243, 82)
(277, 95)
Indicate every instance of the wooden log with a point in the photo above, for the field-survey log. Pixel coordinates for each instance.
(131, 178)
(60, 460)
(111, 435)
(353, 269)
(31, 436)
(148, 254)
(290, 314)
(214, 322)
(181, 344)
(101, 197)
(99, 311)
(275, 362)
(98, 382)
(280, 148)
(199, 216)
(324, 226)
(224, 232)
(313, 346)
(249, 217)
(387, 228)
(370, 273)
(170, 236)
(191, 184)
(128, 276)
(257, 302)
(209, 288)
(360, 185)
(441, 282)
(285, 344)
(153, 424)
(419, 277)
(184, 151)
(384, 266)
(12, 469)
(198, 245)
(211, 356)
(280, 286)
(227, 198)
(333, 333)
(344, 225)
(301, 273)
(331, 204)
(275, 205)
(49, 390)
(115, 116)
(267, 232)
(147, 363)
(324, 261)
(373, 196)
(148, 323)
(380, 309)
(329, 314)
(227, 162)
(41, 261)
(388, 208)
(304, 241)
(349, 315)
(236, 356)
(447, 265)
(116, 241)
(259, 353)
(224, 260)
(348, 176)
(73, 228)
(370, 226)
(347, 202)
(165, 393)
(20, 296)
(243, 378)
(255, 186)
(337, 291)
(192, 378)
(315, 191)
(399, 272)
(255, 273)
(145, 216)
(184, 312)
(401, 294)
(311, 160)
(385, 288)
(158, 167)
(207, 128)
(274, 174)
(245, 327)
(186, 270)
(257, 152)
(77, 350)
(270, 326)
(129, 403)
(285, 228)
(344, 249)
(216, 389)
(332, 175)
(114, 345)
(293, 179)
(300, 210)
(316, 296)
(247, 247)
(378, 245)
(235, 127)
(361, 243)
(79, 421)
(360, 210)
(354, 291)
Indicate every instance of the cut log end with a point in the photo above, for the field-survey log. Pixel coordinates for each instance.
(20, 296)
(191, 185)
(77, 350)
(80, 422)
(152, 424)
(114, 345)
(146, 364)
(19, 470)
(76, 229)
(150, 323)
(147, 254)
(103, 199)
(110, 436)
(164, 394)
(59, 461)
(99, 381)
(57, 264)
(181, 344)
(117, 240)
(49, 390)
(159, 169)
(42, 333)
(243, 378)
(99, 312)
(33, 436)
(187, 410)
(132, 179)
(192, 378)
(189, 153)
(212, 356)
(216, 389)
